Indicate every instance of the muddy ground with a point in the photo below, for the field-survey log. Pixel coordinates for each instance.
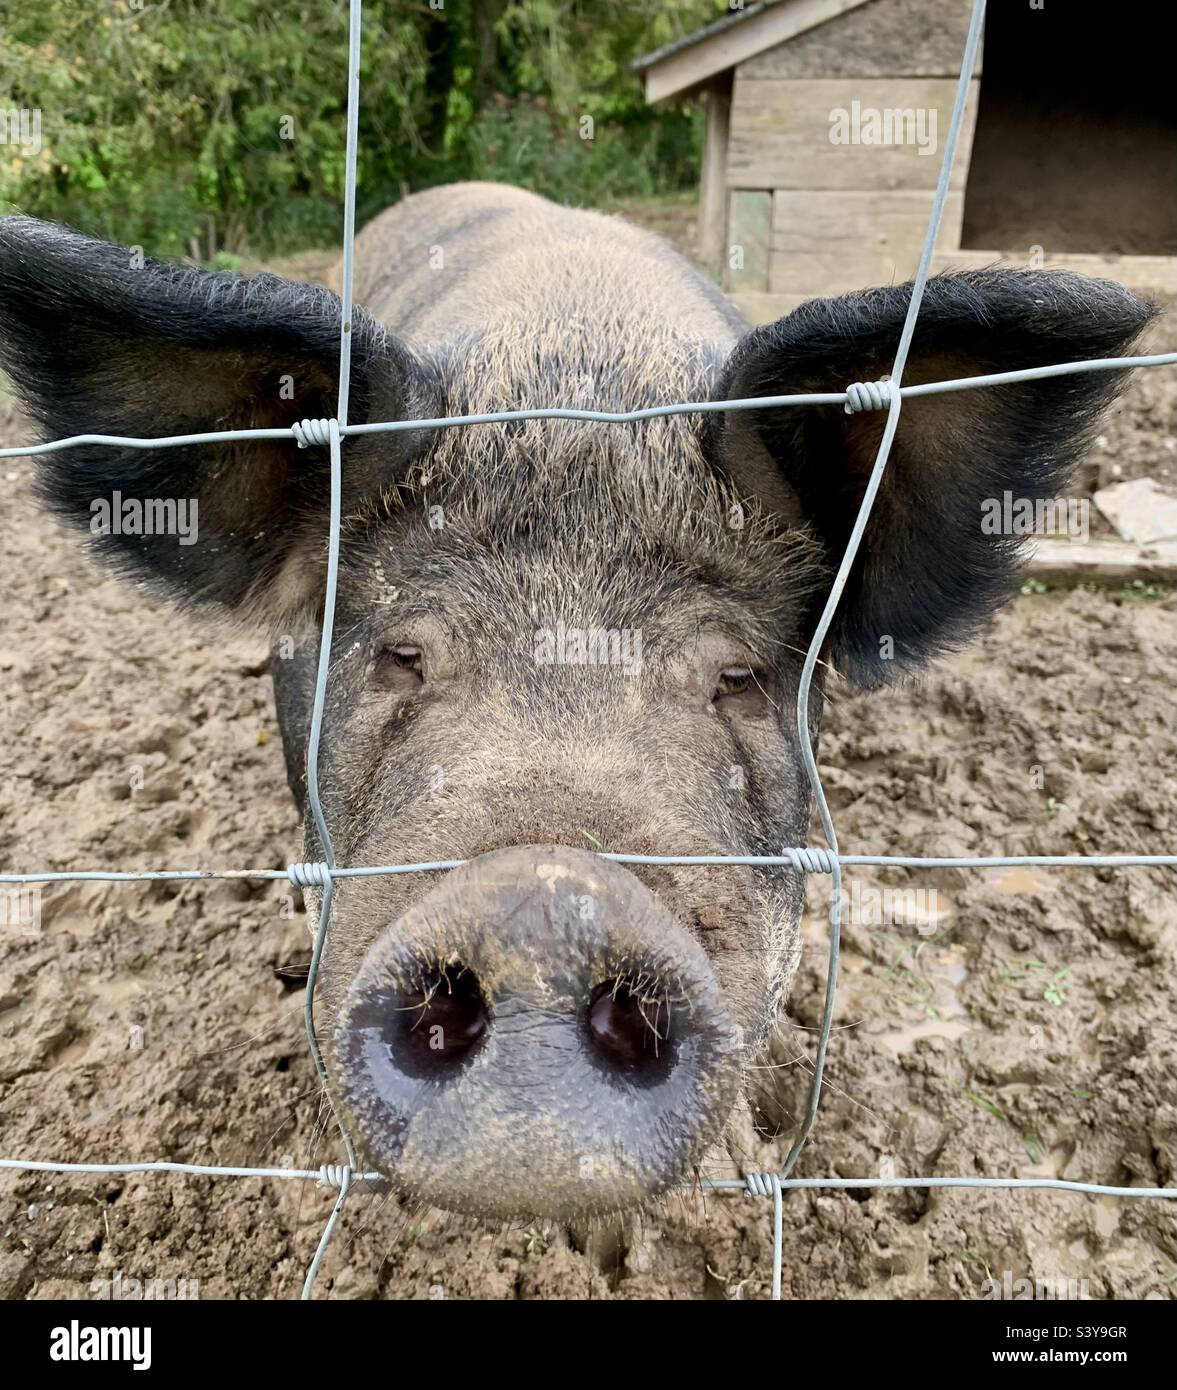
(1011, 1023)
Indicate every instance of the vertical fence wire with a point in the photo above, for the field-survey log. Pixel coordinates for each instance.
(355, 21)
(804, 731)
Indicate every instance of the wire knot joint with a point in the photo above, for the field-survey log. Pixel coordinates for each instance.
(868, 395)
(309, 875)
(308, 432)
(813, 860)
(762, 1185)
(336, 1175)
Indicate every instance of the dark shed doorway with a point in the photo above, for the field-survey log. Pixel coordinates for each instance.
(1076, 138)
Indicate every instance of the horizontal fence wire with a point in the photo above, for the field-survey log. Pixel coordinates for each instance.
(888, 395)
(808, 860)
(604, 417)
(331, 1175)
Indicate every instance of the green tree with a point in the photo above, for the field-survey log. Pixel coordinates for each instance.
(212, 126)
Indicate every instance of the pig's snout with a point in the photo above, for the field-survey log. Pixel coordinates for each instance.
(538, 1036)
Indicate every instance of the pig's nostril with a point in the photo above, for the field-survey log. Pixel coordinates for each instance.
(439, 1023)
(628, 1028)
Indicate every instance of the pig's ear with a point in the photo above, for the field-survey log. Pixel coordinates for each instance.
(928, 572)
(99, 341)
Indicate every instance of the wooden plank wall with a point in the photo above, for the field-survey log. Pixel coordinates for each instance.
(712, 234)
(844, 215)
(781, 129)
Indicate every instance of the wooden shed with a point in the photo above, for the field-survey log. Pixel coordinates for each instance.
(825, 128)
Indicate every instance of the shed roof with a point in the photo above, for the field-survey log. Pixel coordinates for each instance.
(680, 68)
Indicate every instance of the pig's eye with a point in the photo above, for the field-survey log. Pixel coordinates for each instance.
(740, 688)
(735, 680)
(399, 668)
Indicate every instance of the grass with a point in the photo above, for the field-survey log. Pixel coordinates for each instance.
(1053, 989)
(1031, 1142)
(1134, 591)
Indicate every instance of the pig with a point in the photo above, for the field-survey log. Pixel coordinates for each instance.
(554, 637)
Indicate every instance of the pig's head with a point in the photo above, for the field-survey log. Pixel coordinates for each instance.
(554, 638)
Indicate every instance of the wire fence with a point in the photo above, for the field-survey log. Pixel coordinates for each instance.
(888, 394)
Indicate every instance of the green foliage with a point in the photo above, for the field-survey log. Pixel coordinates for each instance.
(523, 143)
(218, 125)
(168, 123)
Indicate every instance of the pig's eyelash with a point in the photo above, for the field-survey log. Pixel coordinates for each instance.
(349, 640)
(789, 647)
(826, 696)
(756, 682)
(403, 653)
